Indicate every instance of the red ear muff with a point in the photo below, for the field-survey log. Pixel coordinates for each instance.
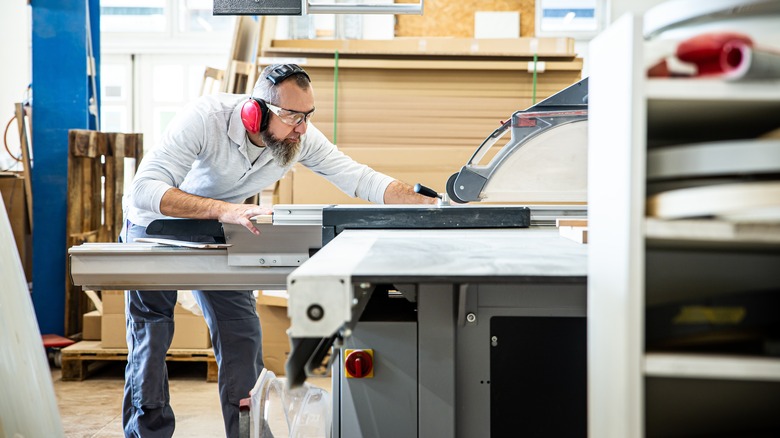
(254, 115)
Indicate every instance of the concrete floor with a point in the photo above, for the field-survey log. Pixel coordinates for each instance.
(92, 408)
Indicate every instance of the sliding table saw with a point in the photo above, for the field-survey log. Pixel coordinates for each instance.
(472, 325)
(447, 321)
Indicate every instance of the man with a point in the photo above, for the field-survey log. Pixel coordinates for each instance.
(214, 155)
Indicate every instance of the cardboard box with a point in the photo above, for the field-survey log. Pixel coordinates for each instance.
(113, 330)
(191, 331)
(274, 323)
(113, 302)
(276, 298)
(91, 322)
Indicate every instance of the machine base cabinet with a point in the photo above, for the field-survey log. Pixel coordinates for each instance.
(538, 377)
(465, 360)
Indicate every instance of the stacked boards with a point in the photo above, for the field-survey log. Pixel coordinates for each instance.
(417, 108)
(723, 190)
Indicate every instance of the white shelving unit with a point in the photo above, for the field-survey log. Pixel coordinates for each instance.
(634, 392)
(711, 367)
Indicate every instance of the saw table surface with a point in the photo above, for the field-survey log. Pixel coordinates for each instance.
(532, 253)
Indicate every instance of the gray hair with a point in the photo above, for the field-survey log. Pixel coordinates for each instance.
(265, 89)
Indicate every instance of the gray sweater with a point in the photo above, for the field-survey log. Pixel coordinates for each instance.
(204, 152)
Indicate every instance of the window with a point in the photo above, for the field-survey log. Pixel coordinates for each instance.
(133, 16)
(196, 16)
(581, 19)
(153, 57)
(155, 26)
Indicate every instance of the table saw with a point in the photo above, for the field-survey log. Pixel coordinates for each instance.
(478, 333)
(438, 321)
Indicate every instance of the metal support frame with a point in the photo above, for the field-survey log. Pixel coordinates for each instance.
(61, 88)
(359, 8)
(305, 7)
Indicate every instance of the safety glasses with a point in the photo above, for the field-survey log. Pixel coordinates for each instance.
(290, 117)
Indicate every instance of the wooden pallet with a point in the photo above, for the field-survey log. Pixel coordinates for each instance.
(97, 165)
(81, 358)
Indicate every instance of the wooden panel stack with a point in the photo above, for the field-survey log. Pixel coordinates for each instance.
(426, 103)
(96, 178)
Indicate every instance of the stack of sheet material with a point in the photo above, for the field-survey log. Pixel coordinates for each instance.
(725, 190)
(417, 108)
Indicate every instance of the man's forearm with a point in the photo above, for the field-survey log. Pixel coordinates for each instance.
(176, 203)
(402, 193)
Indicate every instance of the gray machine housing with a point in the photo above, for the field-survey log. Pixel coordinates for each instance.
(501, 383)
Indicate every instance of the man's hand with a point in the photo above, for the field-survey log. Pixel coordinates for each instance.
(402, 193)
(176, 203)
(242, 214)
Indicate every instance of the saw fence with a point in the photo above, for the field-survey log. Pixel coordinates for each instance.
(98, 165)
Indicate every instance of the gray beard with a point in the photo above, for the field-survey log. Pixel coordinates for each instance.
(283, 151)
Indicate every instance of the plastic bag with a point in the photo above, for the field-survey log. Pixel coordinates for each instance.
(187, 300)
(279, 412)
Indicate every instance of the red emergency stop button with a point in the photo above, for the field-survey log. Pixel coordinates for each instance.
(359, 363)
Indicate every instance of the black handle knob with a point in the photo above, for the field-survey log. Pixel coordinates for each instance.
(425, 191)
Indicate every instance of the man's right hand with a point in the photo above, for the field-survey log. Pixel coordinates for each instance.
(242, 214)
(176, 203)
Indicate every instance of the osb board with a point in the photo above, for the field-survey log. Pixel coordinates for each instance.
(456, 18)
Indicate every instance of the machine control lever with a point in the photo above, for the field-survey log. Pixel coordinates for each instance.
(426, 191)
(429, 192)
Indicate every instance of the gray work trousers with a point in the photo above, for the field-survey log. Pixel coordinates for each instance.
(235, 335)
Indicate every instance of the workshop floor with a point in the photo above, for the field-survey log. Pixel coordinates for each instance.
(92, 408)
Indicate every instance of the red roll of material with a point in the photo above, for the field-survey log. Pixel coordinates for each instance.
(731, 56)
(706, 51)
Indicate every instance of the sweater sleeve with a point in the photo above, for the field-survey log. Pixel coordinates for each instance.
(166, 166)
(353, 178)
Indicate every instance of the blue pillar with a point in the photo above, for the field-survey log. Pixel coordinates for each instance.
(94, 25)
(60, 102)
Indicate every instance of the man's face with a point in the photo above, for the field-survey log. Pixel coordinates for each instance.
(282, 139)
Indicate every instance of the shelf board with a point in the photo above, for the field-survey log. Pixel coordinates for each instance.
(711, 233)
(708, 90)
(702, 366)
(696, 110)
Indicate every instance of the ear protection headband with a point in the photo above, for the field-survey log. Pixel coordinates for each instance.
(254, 112)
